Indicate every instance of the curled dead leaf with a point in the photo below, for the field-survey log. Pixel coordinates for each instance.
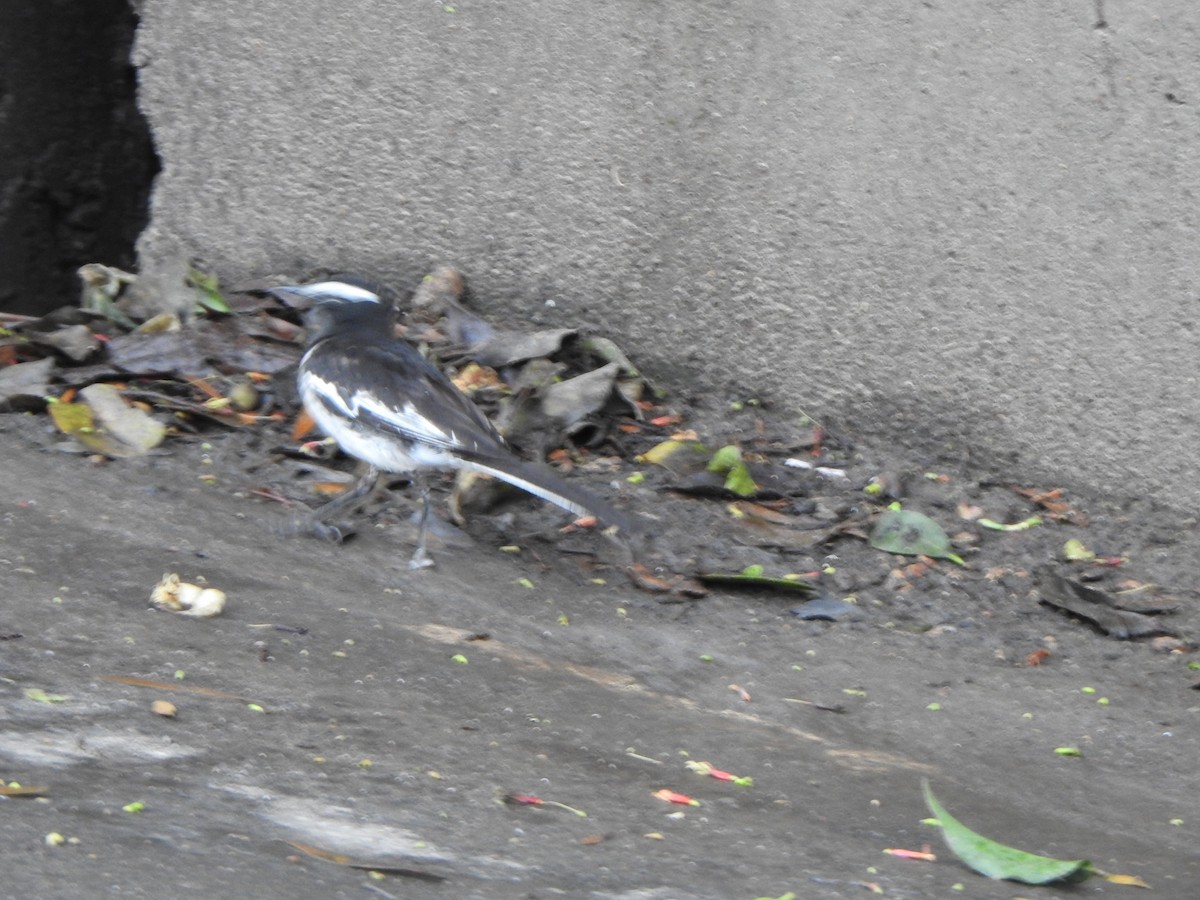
(177, 596)
(164, 708)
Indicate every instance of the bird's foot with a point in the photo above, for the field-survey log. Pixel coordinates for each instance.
(309, 526)
(420, 560)
(327, 532)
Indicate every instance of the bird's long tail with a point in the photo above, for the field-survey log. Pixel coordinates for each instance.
(544, 483)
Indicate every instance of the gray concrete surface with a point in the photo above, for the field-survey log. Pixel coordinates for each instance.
(939, 221)
(368, 738)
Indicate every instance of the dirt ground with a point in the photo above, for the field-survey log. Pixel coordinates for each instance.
(347, 704)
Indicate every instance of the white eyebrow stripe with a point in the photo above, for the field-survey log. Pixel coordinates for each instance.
(338, 289)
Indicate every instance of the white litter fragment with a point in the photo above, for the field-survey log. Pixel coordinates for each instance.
(186, 599)
(795, 463)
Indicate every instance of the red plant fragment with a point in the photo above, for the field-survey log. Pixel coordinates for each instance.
(523, 800)
(664, 421)
(581, 522)
(705, 768)
(922, 855)
(531, 800)
(670, 796)
(1036, 657)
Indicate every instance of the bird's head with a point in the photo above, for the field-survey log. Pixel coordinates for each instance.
(342, 302)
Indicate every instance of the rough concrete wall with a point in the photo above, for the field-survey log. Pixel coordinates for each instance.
(942, 222)
(75, 156)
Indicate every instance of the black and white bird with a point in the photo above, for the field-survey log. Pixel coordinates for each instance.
(385, 404)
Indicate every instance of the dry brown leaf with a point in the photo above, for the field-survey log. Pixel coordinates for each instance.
(22, 791)
(303, 426)
(762, 512)
(341, 859)
(168, 686)
(646, 580)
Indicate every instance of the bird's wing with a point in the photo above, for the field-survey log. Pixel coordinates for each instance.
(394, 389)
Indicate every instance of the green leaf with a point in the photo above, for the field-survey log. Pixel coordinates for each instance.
(725, 459)
(42, 697)
(911, 534)
(209, 294)
(995, 860)
(1076, 551)
(728, 461)
(753, 577)
(1024, 525)
(740, 481)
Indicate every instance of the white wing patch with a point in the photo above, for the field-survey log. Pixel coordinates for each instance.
(405, 419)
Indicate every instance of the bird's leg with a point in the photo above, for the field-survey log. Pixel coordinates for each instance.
(320, 517)
(421, 559)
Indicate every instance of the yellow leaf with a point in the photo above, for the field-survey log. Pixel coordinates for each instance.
(106, 424)
(72, 418)
(1129, 880)
(660, 453)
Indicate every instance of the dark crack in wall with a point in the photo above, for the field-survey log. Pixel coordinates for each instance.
(76, 157)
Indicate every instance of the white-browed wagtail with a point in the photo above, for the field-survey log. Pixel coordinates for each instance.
(385, 404)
